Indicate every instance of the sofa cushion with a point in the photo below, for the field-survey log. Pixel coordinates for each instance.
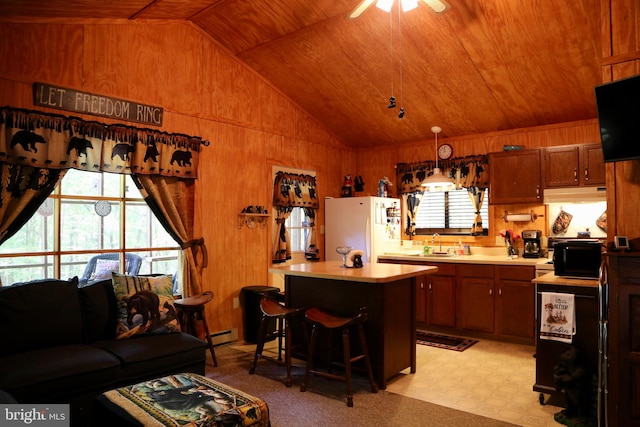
(156, 353)
(145, 305)
(38, 375)
(39, 314)
(99, 309)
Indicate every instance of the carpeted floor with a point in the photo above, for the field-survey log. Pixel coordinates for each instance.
(323, 403)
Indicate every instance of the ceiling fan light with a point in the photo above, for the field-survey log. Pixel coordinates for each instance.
(408, 5)
(361, 7)
(384, 5)
(438, 6)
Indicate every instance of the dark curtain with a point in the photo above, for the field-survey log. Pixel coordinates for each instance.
(292, 190)
(22, 190)
(470, 172)
(37, 148)
(171, 199)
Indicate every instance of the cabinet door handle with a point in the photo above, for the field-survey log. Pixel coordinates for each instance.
(430, 290)
(491, 292)
(499, 291)
(575, 174)
(537, 191)
(586, 174)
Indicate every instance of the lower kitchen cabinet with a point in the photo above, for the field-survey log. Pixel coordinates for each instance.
(441, 296)
(477, 302)
(497, 299)
(515, 302)
(487, 299)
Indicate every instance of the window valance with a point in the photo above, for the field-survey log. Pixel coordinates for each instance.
(295, 190)
(55, 141)
(465, 172)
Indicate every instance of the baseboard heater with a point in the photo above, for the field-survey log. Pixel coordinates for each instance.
(223, 337)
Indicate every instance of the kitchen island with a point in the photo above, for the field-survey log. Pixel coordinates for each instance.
(386, 290)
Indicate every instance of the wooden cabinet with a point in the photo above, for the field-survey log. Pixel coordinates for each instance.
(436, 297)
(515, 301)
(497, 299)
(441, 296)
(573, 165)
(515, 177)
(477, 302)
(623, 400)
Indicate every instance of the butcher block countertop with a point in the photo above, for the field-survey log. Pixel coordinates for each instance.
(552, 279)
(371, 272)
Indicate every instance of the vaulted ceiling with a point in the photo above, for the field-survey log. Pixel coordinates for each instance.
(483, 66)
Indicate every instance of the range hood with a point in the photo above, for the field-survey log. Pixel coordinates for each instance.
(575, 195)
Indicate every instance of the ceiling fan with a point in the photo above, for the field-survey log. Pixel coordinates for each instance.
(437, 6)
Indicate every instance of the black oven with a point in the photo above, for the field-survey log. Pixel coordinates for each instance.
(579, 258)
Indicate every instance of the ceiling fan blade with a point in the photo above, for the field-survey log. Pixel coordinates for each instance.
(364, 5)
(438, 6)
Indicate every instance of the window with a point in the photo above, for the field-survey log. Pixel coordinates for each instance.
(298, 226)
(449, 212)
(89, 213)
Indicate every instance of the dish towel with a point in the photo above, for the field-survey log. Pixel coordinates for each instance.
(557, 317)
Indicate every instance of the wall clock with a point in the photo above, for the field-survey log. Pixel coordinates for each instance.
(445, 151)
(102, 207)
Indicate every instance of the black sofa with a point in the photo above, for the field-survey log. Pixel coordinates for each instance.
(58, 346)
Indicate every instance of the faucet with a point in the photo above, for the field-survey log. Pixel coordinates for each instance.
(433, 239)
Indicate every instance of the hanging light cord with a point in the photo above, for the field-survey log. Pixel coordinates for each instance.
(400, 51)
(391, 48)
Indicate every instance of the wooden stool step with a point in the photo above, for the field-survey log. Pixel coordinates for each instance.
(191, 309)
(273, 310)
(322, 320)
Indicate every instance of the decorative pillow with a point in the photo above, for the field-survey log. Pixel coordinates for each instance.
(145, 305)
(104, 268)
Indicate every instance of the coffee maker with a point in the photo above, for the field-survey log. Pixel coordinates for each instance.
(531, 240)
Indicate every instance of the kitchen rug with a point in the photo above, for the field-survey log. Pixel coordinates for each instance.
(444, 341)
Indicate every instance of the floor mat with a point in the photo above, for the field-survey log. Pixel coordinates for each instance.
(444, 341)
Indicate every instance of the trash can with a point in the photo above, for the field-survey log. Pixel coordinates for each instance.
(250, 297)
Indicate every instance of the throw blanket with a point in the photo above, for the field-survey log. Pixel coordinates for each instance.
(189, 400)
(557, 317)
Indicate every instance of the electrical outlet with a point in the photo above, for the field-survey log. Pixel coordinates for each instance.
(236, 303)
(499, 241)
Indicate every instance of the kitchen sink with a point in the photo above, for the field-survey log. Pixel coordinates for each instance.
(437, 255)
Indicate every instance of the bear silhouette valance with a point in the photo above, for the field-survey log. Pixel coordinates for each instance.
(55, 141)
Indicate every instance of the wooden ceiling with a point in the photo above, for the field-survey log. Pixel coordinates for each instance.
(483, 66)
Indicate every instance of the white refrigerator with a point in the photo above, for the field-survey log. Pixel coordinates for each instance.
(370, 224)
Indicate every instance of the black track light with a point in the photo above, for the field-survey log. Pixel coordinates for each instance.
(401, 115)
(392, 102)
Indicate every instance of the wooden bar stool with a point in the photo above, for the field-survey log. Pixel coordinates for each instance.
(272, 310)
(192, 309)
(320, 319)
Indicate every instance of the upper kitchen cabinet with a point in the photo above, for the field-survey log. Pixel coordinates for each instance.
(573, 166)
(515, 177)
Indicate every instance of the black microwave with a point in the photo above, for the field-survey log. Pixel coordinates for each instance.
(577, 258)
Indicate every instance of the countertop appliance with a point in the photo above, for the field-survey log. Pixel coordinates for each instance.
(531, 240)
(369, 223)
(579, 258)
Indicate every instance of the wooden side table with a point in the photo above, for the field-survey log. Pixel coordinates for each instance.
(191, 309)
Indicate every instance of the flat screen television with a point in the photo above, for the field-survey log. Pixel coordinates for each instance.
(618, 105)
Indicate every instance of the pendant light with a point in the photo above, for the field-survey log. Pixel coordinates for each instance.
(437, 181)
